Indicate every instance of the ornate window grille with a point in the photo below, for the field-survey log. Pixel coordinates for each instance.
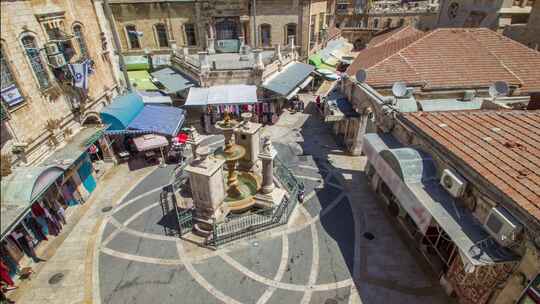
(36, 62)
(78, 33)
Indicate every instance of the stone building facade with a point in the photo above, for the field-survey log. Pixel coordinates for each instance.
(487, 13)
(50, 108)
(360, 20)
(528, 32)
(220, 26)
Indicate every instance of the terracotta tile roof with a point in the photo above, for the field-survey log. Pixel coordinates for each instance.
(451, 58)
(503, 147)
(392, 35)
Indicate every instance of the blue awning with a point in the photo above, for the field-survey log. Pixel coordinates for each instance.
(291, 78)
(172, 80)
(163, 120)
(119, 114)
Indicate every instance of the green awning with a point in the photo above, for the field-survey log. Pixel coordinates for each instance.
(74, 148)
(141, 80)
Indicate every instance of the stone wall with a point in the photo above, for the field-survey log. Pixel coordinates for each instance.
(27, 121)
(276, 13)
(146, 15)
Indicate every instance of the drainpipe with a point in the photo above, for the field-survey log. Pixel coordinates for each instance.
(116, 41)
(255, 33)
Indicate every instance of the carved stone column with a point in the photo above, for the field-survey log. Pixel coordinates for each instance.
(267, 156)
(194, 141)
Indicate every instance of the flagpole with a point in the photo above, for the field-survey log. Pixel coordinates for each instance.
(116, 41)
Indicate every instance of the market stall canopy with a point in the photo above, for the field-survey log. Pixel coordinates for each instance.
(20, 189)
(411, 175)
(136, 63)
(173, 81)
(290, 79)
(122, 111)
(150, 142)
(75, 147)
(155, 97)
(163, 120)
(141, 80)
(222, 94)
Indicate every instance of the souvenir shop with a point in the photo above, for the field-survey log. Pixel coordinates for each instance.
(206, 106)
(33, 209)
(35, 200)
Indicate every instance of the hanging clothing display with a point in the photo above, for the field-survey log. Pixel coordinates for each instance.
(38, 230)
(24, 240)
(8, 260)
(4, 274)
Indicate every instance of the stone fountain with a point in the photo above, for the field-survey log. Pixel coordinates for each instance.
(241, 185)
(242, 189)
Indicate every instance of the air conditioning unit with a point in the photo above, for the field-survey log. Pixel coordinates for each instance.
(502, 226)
(57, 61)
(52, 49)
(454, 184)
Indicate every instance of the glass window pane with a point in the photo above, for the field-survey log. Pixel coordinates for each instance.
(133, 37)
(161, 32)
(191, 38)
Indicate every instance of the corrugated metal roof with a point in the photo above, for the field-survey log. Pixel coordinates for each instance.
(450, 105)
(172, 80)
(284, 82)
(223, 94)
(74, 147)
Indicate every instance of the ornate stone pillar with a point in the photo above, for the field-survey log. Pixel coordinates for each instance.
(210, 39)
(267, 156)
(194, 141)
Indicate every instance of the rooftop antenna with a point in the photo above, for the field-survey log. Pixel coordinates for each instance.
(498, 88)
(361, 75)
(399, 89)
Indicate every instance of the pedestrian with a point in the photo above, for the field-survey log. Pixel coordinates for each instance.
(318, 101)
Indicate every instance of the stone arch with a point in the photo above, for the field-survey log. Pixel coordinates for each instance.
(91, 118)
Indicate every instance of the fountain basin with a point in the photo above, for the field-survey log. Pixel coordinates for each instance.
(248, 184)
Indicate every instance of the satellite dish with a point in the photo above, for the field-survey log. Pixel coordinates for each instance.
(498, 88)
(399, 89)
(361, 75)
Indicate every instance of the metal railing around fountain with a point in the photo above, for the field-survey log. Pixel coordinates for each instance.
(249, 224)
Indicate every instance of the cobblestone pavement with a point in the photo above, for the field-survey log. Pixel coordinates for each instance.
(321, 256)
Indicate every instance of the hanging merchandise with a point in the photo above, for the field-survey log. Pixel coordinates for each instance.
(38, 229)
(8, 260)
(24, 241)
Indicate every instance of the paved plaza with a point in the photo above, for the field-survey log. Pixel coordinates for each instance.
(321, 256)
(123, 255)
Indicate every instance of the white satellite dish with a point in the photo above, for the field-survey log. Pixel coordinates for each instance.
(361, 75)
(498, 88)
(399, 89)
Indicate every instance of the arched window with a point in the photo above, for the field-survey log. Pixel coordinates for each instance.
(191, 36)
(34, 57)
(376, 23)
(161, 35)
(133, 37)
(78, 33)
(388, 23)
(266, 36)
(290, 31)
(8, 86)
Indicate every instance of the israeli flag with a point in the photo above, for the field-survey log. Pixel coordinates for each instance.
(80, 74)
(136, 33)
(11, 95)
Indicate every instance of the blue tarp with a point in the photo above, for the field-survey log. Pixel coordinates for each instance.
(119, 114)
(162, 120)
